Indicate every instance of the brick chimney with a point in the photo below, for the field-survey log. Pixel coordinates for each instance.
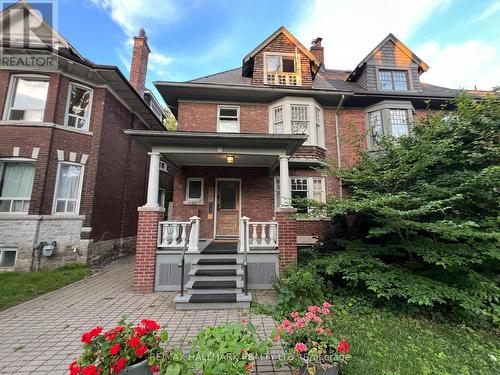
(139, 67)
(318, 51)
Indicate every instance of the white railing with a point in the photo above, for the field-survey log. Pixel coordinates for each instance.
(261, 234)
(174, 234)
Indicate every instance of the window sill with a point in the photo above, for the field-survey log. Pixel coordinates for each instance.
(44, 125)
(193, 203)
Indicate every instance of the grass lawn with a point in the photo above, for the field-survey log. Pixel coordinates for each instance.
(17, 287)
(386, 344)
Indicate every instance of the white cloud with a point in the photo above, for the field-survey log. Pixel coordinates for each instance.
(473, 63)
(492, 9)
(131, 15)
(351, 29)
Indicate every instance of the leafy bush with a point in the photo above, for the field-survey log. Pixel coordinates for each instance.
(420, 225)
(228, 349)
(296, 289)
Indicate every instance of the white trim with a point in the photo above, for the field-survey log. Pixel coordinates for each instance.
(60, 155)
(223, 106)
(216, 202)
(84, 158)
(15, 151)
(72, 156)
(10, 93)
(44, 124)
(34, 152)
(87, 116)
(4, 268)
(202, 193)
(80, 187)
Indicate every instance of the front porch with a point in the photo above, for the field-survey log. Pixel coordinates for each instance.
(224, 193)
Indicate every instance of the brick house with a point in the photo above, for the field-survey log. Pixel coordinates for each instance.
(252, 139)
(69, 177)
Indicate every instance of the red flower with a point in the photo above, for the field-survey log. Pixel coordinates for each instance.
(154, 368)
(343, 346)
(74, 369)
(134, 341)
(249, 366)
(150, 325)
(141, 331)
(141, 350)
(119, 365)
(88, 336)
(115, 349)
(91, 370)
(300, 347)
(328, 332)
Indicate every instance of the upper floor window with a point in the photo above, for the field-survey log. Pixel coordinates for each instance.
(228, 119)
(27, 98)
(68, 188)
(281, 69)
(298, 116)
(389, 119)
(393, 80)
(78, 107)
(16, 183)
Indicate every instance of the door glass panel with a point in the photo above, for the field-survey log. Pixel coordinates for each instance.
(228, 195)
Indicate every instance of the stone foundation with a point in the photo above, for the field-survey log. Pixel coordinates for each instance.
(104, 251)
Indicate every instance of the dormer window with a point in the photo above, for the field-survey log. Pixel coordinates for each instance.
(281, 69)
(393, 80)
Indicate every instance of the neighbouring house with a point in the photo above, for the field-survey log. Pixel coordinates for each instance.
(70, 179)
(252, 139)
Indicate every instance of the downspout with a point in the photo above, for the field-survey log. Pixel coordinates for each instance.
(337, 136)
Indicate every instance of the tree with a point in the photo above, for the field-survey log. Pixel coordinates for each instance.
(169, 121)
(427, 215)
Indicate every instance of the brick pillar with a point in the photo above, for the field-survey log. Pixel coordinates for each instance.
(287, 236)
(145, 254)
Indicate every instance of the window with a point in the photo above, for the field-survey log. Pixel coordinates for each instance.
(302, 187)
(28, 97)
(393, 80)
(68, 189)
(162, 197)
(278, 120)
(163, 166)
(300, 119)
(319, 126)
(7, 258)
(398, 122)
(16, 182)
(228, 120)
(78, 108)
(194, 190)
(375, 121)
(281, 70)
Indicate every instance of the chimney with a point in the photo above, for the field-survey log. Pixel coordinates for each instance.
(139, 67)
(318, 51)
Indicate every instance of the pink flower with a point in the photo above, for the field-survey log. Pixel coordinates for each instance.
(286, 323)
(313, 309)
(300, 347)
(244, 321)
(320, 330)
(325, 311)
(326, 305)
(294, 314)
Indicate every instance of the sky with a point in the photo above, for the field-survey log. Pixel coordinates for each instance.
(458, 39)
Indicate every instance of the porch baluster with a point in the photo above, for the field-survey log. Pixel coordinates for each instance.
(254, 234)
(263, 234)
(272, 234)
(183, 235)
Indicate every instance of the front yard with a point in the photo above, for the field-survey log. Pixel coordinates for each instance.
(17, 287)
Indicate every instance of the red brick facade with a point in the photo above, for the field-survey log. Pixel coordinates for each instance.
(287, 236)
(145, 256)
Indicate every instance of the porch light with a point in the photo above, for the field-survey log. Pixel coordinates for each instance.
(230, 159)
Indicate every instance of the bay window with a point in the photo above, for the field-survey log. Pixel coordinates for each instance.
(298, 116)
(28, 95)
(16, 183)
(68, 188)
(78, 107)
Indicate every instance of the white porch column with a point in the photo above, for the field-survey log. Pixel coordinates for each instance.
(285, 194)
(154, 179)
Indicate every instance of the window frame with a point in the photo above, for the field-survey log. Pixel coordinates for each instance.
(163, 166)
(392, 70)
(228, 106)
(2, 250)
(385, 108)
(310, 187)
(200, 200)
(296, 76)
(87, 113)
(16, 161)
(11, 92)
(56, 186)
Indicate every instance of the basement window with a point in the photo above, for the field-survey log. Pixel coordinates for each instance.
(78, 107)
(27, 98)
(7, 258)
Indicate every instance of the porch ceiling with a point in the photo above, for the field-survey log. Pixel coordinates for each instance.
(210, 149)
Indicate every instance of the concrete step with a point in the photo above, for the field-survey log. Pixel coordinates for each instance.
(213, 301)
(230, 284)
(215, 272)
(215, 278)
(215, 261)
(196, 267)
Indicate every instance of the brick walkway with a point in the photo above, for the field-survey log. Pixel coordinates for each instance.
(42, 336)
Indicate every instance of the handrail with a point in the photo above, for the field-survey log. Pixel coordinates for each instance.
(245, 262)
(182, 261)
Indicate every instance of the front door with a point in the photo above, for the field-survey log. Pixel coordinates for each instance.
(228, 208)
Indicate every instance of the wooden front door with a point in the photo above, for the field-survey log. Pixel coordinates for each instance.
(228, 208)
